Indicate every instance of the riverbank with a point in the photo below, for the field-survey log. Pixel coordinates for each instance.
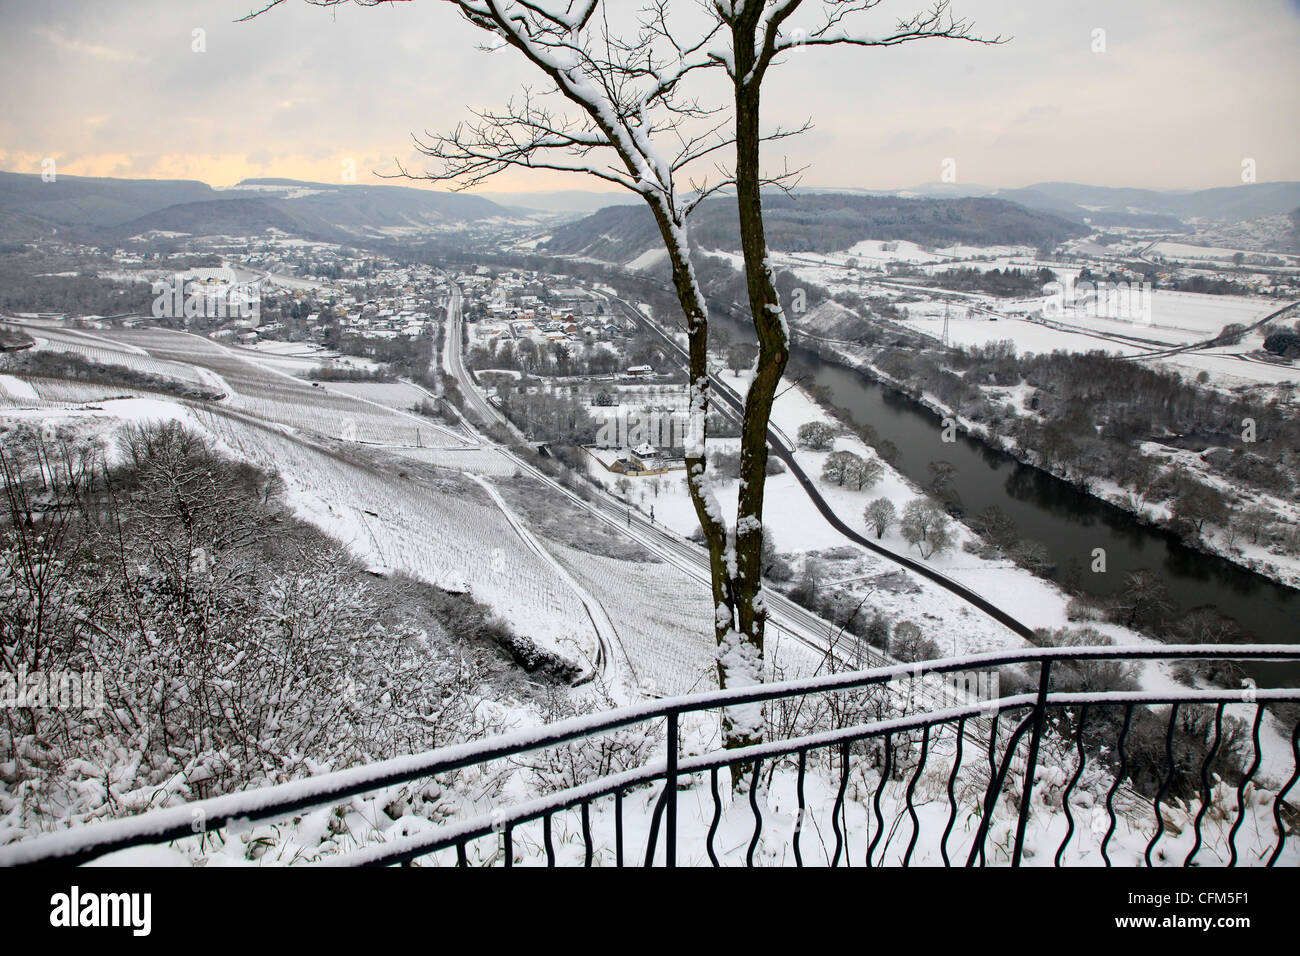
(1218, 542)
(864, 585)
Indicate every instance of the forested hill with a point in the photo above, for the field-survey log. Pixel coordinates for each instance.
(820, 222)
(111, 210)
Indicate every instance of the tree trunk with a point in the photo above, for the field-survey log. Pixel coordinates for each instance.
(740, 659)
(722, 562)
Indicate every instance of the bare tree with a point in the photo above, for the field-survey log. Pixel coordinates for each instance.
(622, 117)
(879, 515)
(926, 527)
(613, 109)
(760, 32)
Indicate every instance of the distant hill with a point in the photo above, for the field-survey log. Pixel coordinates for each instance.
(563, 201)
(810, 220)
(225, 217)
(1225, 203)
(83, 201)
(1108, 206)
(20, 227)
(118, 208)
(1104, 206)
(379, 210)
(823, 222)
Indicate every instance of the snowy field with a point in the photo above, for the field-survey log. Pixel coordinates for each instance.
(1175, 318)
(1182, 251)
(799, 531)
(300, 358)
(1178, 319)
(98, 348)
(437, 528)
(352, 456)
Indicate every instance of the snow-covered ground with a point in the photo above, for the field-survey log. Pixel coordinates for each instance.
(798, 529)
(1178, 319)
(454, 532)
(1184, 251)
(1174, 318)
(334, 495)
(905, 815)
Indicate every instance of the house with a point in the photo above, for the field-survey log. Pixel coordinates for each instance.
(640, 371)
(645, 459)
(12, 340)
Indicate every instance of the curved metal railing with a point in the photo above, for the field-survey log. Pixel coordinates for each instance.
(975, 723)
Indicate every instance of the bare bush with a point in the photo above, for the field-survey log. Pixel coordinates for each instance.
(235, 648)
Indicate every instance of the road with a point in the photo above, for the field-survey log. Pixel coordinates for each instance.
(785, 617)
(605, 662)
(1210, 342)
(453, 364)
(780, 446)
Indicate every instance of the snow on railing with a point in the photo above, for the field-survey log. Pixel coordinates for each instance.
(886, 739)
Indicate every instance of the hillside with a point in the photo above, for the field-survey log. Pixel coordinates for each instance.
(1224, 203)
(823, 222)
(237, 217)
(1174, 210)
(378, 209)
(113, 209)
(94, 201)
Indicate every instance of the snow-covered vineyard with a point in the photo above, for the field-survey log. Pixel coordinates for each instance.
(440, 528)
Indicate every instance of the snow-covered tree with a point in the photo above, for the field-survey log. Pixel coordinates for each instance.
(623, 117)
(925, 527)
(818, 436)
(879, 515)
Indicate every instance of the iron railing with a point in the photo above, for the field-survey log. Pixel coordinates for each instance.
(1067, 719)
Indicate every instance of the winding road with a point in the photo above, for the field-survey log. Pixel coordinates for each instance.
(784, 616)
(780, 447)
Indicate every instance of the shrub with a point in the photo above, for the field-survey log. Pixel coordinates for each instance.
(818, 436)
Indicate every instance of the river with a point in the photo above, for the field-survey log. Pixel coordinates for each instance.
(1069, 523)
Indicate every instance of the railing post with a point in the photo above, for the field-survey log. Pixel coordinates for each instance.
(1040, 714)
(670, 794)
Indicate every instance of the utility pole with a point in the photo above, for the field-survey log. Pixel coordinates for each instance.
(947, 309)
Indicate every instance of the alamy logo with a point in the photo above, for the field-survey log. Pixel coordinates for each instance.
(55, 690)
(962, 688)
(75, 909)
(1128, 301)
(661, 429)
(200, 300)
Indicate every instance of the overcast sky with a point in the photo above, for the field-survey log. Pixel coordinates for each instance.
(1182, 94)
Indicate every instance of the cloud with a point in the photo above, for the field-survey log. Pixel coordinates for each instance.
(82, 48)
(1178, 98)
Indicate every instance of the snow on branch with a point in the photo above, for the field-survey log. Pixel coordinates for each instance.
(938, 21)
(761, 30)
(626, 91)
